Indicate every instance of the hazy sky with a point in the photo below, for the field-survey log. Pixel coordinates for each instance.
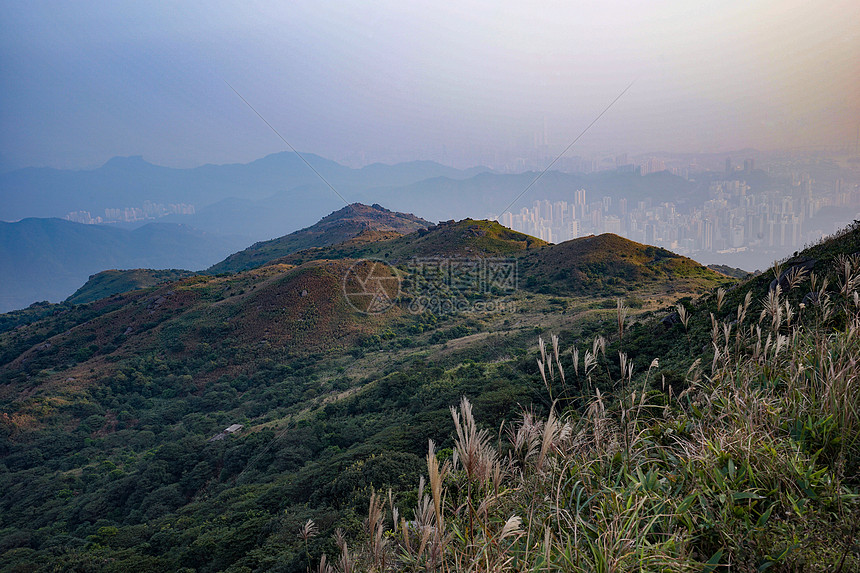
(460, 82)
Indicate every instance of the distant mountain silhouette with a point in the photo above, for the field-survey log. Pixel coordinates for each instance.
(48, 259)
(278, 188)
(279, 194)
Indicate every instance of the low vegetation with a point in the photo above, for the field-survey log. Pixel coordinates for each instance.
(753, 466)
(112, 282)
(466, 238)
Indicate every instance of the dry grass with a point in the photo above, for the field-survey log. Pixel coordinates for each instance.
(754, 467)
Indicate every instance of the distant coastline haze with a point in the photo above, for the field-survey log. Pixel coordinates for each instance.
(501, 84)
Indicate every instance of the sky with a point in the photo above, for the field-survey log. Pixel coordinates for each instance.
(465, 83)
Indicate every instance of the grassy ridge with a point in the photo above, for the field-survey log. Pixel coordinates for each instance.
(111, 282)
(608, 261)
(466, 238)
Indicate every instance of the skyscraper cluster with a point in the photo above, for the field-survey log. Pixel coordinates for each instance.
(732, 218)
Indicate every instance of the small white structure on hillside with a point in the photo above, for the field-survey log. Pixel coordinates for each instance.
(232, 429)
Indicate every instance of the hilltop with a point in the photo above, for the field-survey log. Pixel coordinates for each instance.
(612, 263)
(340, 226)
(466, 238)
(596, 266)
(733, 272)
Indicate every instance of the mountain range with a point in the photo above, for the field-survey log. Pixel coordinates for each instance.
(260, 200)
(48, 259)
(226, 207)
(279, 194)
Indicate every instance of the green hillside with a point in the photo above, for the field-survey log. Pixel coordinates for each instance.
(111, 282)
(466, 238)
(594, 266)
(733, 272)
(615, 264)
(114, 454)
(337, 227)
(750, 461)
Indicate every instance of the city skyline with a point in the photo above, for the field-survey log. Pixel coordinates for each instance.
(744, 208)
(755, 222)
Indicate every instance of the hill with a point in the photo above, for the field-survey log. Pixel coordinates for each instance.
(466, 238)
(48, 259)
(340, 226)
(702, 470)
(113, 450)
(614, 265)
(595, 266)
(111, 282)
(733, 272)
(292, 309)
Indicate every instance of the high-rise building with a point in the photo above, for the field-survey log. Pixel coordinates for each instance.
(653, 165)
(737, 236)
(612, 224)
(560, 212)
(650, 234)
(708, 236)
